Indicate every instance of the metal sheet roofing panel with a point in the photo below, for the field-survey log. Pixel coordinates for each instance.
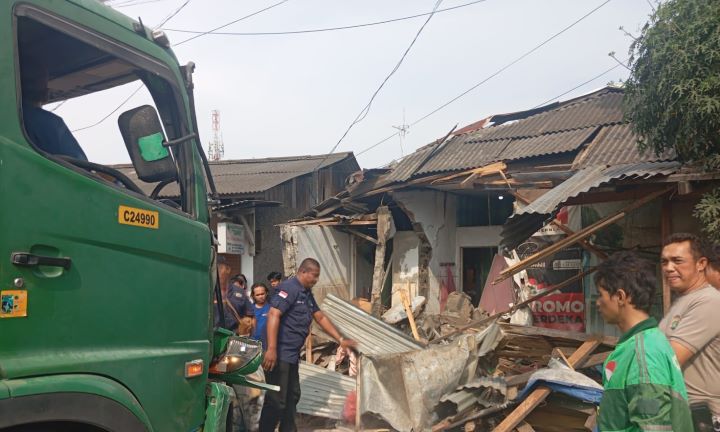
(525, 222)
(462, 153)
(551, 143)
(616, 144)
(323, 392)
(244, 176)
(601, 108)
(409, 165)
(373, 336)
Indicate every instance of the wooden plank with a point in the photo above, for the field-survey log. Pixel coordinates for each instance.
(408, 311)
(582, 234)
(363, 236)
(541, 392)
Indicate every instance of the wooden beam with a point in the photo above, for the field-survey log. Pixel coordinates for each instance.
(408, 311)
(541, 392)
(493, 168)
(384, 229)
(362, 235)
(580, 235)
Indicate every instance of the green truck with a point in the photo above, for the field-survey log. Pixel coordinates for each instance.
(107, 290)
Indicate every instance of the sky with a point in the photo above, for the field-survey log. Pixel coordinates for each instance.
(297, 94)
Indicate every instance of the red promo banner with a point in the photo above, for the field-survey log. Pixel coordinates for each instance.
(561, 311)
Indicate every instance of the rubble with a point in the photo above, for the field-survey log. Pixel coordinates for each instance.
(475, 372)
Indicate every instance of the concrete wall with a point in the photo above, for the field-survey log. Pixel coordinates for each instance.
(435, 212)
(405, 263)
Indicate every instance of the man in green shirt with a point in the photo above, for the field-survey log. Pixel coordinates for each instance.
(644, 387)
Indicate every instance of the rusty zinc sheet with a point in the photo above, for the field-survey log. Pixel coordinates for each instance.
(531, 218)
(373, 336)
(323, 392)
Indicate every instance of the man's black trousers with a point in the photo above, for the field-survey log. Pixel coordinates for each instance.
(280, 406)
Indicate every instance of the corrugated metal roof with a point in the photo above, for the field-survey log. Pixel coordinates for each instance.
(323, 392)
(243, 176)
(600, 108)
(464, 152)
(616, 144)
(561, 129)
(373, 336)
(532, 217)
(551, 143)
(409, 164)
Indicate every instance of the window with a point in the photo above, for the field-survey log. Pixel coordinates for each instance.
(484, 209)
(72, 80)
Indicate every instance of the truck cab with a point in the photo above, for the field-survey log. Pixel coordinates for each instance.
(107, 290)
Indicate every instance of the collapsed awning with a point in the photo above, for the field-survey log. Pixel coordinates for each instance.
(527, 221)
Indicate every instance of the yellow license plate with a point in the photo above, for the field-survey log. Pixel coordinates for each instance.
(138, 217)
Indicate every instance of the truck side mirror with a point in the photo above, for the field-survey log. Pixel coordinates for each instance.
(146, 144)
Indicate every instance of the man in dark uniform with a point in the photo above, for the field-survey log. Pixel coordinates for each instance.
(292, 310)
(236, 306)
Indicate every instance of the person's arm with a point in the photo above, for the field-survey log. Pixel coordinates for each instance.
(696, 328)
(330, 329)
(273, 324)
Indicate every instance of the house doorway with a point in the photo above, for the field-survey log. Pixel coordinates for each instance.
(476, 263)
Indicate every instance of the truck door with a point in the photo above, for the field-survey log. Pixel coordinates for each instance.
(97, 277)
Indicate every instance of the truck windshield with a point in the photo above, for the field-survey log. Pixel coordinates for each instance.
(72, 91)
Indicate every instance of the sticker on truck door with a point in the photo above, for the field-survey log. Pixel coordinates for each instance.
(138, 217)
(14, 303)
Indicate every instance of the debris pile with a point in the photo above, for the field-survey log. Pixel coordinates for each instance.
(467, 371)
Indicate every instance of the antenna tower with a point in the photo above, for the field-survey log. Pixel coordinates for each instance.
(217, 148)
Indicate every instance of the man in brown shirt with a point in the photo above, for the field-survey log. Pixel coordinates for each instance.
(692, 325)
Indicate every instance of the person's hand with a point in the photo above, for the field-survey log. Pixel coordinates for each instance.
(269, 359)
(349, 344)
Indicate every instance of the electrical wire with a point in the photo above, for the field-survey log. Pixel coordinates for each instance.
(111, 112)
(496, 73)
(231, 22)
(194, 37)
(576, 87)
(507, 66)
(366, 109)
(331, 28)
(172, 15)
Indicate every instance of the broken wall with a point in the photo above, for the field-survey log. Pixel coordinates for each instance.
(434, 213)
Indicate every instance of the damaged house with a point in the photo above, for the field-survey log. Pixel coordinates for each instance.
(501, 210)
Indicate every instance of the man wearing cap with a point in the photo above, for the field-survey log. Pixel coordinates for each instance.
(292, 310)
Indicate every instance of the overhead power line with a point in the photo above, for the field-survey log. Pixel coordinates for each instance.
(172, 15)
(600, 75)
(366, 109)
(491, 76)
(507, 66)
(291, 32)
(186, 40)
(231, 22)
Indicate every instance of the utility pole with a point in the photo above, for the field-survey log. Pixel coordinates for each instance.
(217, 148)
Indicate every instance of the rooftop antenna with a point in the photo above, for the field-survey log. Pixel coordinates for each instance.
(403, 130)
(217, 148)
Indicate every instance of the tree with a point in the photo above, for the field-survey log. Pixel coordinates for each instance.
(672, 97)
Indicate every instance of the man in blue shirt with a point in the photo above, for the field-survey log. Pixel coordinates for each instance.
(292, 310)
(236, 306)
